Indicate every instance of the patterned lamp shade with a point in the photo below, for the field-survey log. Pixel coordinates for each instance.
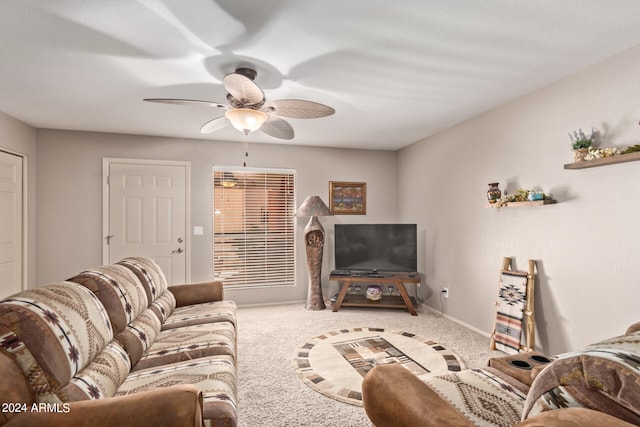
(313, 206)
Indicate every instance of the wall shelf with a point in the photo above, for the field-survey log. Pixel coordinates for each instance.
(521, 204)
(622, 158)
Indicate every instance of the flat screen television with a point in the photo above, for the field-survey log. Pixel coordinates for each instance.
(376, 247)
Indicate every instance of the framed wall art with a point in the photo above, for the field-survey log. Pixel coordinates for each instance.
(348, 198)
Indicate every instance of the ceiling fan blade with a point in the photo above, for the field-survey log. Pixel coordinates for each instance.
(215, 124)
(298, 109)
(186, 102)
(277, 128)
(243, 89)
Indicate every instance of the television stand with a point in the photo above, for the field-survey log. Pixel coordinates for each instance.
(398, 279)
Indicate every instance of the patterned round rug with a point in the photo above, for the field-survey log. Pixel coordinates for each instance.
(335, 363)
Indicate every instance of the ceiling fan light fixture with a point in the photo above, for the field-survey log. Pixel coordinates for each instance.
(246, 120)
(247, 110)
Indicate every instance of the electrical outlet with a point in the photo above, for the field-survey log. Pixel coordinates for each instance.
(445, 292)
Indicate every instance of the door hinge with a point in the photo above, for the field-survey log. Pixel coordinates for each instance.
(108, 179)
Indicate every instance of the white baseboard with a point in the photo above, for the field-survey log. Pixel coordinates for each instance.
(458, 321)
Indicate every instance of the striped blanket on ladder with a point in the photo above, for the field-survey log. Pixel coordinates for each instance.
(512, 298)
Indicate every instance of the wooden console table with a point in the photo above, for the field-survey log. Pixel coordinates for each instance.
(388, 301)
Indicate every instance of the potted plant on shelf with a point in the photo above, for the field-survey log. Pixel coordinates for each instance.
(521, 195)
(581, 143)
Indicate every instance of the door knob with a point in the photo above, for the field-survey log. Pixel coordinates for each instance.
(177, 251)
(180, 240)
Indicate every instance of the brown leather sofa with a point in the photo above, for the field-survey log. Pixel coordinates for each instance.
(595, 386)
(116, 346)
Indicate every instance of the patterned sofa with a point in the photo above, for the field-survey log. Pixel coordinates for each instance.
(116, 346)
(596, 386)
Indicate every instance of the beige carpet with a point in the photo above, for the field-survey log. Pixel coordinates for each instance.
(270, 393)
(335, 363)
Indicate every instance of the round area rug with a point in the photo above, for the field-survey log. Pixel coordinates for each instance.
(335, 363)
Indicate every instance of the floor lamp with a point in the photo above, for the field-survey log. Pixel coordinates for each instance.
(313, 207)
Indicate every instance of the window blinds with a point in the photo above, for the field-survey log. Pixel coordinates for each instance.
(253, 227)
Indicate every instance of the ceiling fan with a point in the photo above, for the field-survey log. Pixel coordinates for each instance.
(248, 111)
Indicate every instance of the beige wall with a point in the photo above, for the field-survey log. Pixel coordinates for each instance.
(587, 246)
(70, 196)
(19, 138)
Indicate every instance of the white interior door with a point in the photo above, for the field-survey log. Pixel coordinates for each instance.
(148, 203)
(11, 224)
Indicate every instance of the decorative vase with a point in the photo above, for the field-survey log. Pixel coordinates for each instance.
(374, 293)
(494, 193)
(579, 154)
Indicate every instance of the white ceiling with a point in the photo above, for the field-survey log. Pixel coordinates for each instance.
(395, 72)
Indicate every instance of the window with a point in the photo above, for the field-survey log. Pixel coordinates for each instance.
(253, 227)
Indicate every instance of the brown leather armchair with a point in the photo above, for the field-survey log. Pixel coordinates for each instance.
(394, 397)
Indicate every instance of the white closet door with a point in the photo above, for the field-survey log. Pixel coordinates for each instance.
(11, 224)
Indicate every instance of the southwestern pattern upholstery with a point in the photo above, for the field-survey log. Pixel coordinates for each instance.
(604, 377)
(171, 314)
(150, 275)
(99, 337)
(190, 342)
(215, 376)
(481, 396)
(118, 290)
(596, 386)
(63, 325)
(220, 311)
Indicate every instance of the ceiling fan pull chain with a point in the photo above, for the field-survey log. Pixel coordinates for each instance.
(246, 150)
